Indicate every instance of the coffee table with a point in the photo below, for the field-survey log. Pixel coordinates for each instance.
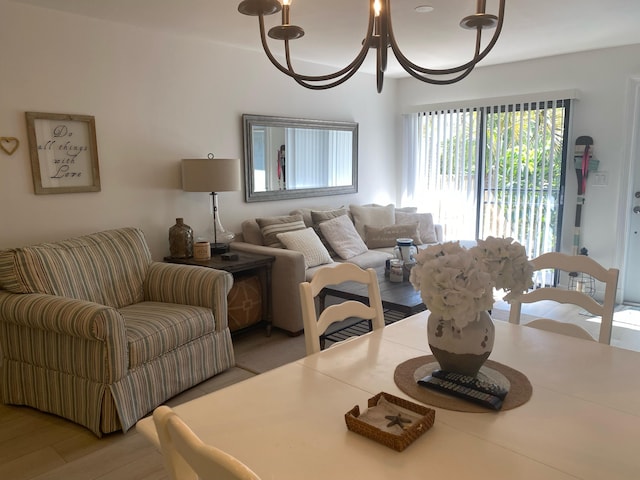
(399, 297)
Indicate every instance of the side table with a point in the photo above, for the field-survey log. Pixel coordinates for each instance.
(245, 264)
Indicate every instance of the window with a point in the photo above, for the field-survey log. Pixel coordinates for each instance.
(493, 170)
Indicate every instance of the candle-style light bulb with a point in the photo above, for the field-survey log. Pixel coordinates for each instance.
(285, 12)
(376, 7)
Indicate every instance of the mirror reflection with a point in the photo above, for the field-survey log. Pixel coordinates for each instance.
(294, 158)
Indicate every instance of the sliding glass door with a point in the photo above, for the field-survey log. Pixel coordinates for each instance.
(495, 170)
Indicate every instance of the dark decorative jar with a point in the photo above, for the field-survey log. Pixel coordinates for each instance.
(181, 240)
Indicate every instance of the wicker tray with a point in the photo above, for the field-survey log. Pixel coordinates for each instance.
(396, 441)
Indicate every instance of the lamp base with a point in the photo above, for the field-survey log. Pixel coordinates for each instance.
(218, 248)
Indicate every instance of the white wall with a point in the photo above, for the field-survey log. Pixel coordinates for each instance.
(157, 98)
(601, 77)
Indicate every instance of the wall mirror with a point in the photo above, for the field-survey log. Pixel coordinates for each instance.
(295, 158)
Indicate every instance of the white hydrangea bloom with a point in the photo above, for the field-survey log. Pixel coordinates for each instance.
(457, 283)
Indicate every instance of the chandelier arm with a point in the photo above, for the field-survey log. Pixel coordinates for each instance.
(305, 83)
(436, 81)
(383, 37)
(290, 71)
(447, 81)
(379, 79)
(409, 65)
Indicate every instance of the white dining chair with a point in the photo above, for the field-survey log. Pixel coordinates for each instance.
(186, 457)
(316, 325)
(578, 264)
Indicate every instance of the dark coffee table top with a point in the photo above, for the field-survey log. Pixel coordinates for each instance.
(399, 297)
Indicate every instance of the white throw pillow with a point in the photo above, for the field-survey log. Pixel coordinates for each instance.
(372, 215)
(343, 237)
(425, 225)
(308, 243)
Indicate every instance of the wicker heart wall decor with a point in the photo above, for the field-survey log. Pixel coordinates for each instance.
(9, 144)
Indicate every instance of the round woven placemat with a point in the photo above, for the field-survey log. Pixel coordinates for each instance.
(408, 373)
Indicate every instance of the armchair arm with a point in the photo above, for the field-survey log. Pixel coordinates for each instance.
(190, 285)
(65, 334)
(286, 274)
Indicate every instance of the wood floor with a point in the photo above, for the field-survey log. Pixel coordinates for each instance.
(37, 446)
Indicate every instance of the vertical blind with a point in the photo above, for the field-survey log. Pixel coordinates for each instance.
(441, 159)
(494, 170)
(314, 158)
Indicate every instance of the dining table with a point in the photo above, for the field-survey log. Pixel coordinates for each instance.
(582, 420)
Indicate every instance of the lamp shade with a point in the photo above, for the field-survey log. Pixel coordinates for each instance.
(211, 174)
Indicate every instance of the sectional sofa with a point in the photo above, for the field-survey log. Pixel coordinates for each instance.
(311, 238)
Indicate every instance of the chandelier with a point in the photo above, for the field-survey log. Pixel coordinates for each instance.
(379, 37)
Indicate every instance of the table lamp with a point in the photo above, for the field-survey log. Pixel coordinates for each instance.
(213, 175)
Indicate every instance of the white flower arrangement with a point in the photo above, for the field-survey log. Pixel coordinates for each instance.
(457, 283)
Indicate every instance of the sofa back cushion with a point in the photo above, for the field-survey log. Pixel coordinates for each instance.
(251, 232)
(107, 267)
(376, 216)
(426, 229)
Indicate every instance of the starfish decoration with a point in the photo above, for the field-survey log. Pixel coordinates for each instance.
(397, 420)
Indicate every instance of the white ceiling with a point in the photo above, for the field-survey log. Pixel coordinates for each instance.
(335, 28)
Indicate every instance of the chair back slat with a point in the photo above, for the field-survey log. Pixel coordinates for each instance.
(187, 457)
(580, 264)
(315, 325)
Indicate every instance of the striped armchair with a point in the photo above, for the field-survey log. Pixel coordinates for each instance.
(93, 330)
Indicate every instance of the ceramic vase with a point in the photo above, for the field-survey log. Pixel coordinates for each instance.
(461, 350)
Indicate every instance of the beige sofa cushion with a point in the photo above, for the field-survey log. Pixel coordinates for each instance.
(371, 259)
(251, 232)
(342, 236)
(377, 237)
(426, 228)
(373, 215)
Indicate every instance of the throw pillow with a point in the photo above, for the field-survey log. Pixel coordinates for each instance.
(377, 237)
(272, 226)
(401, 209)
(372, 215)
(306, 213)
(306, 242)
(407, 209)
(425, 225)
(319, 216)
(343, 237)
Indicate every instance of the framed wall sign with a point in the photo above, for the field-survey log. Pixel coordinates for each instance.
(64, 153)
